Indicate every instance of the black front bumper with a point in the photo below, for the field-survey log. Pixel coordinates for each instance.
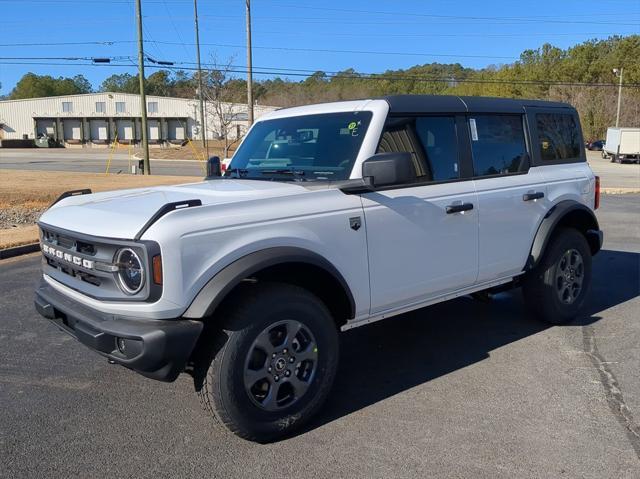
(158, 349)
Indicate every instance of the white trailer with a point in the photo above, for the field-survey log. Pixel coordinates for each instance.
(623, 144)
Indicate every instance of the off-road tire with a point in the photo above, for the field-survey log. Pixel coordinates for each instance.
(220, 383)
(540, 288)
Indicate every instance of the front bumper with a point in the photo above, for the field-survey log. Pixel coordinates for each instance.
(158, 349)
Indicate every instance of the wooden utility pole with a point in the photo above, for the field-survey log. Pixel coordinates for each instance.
(143, 97)
(203, 127)
(249, 68)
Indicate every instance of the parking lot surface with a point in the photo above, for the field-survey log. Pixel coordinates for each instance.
(462, 389)
(90, 161)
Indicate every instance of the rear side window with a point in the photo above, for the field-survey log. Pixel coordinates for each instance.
(498, 144)
(432, 142)
(558, 136)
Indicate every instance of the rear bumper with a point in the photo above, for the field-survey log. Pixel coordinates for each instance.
(158, 349)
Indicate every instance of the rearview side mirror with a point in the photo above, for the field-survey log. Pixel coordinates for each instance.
(386, 169)
(214, 167)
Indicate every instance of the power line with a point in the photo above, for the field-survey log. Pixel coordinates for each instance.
(185, 44)
(359, 76)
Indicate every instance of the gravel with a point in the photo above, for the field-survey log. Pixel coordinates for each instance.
(19, 216)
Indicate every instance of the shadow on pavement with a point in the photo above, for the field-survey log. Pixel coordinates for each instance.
(391, 356)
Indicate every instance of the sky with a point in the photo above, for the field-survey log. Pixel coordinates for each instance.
(293, 38)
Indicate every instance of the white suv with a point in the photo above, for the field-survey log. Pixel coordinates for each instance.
(329, 216)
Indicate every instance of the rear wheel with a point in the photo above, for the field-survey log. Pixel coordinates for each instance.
(556, 289)
(275, 363)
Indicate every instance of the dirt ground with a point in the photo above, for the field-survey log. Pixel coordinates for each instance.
(23, 196)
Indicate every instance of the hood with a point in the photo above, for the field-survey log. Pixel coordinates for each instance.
(122, 214)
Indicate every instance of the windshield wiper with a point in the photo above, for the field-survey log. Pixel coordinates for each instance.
(285, 171)
(240, 172)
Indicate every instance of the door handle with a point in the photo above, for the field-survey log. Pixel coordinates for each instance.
(533, 196)
(459, 208)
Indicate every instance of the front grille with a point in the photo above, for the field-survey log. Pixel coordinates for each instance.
(86, 263)
(83, 265)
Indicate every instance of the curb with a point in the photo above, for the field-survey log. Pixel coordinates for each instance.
(19, 250)
(619, 191)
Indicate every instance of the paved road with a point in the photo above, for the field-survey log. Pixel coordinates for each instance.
(463, 389)
(612, 175)
(78, 160)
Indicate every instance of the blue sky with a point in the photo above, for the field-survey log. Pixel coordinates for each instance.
(368, 35)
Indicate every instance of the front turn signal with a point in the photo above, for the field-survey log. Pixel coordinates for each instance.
(157, 269)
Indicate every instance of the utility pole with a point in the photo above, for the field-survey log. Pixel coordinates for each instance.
(143, 97)
(203, 128)
(619, 74)
(249, 68)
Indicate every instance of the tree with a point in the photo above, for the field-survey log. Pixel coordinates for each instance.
(121, 83)
(36, 86)
(218, 90)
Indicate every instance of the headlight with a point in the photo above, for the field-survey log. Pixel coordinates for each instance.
(130, 271)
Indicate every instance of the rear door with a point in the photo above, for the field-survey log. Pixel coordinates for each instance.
(510, 192)
(418, 248)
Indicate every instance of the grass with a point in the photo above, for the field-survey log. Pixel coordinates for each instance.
(37, 189)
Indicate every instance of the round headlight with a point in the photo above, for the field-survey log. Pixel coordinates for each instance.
(130, 271)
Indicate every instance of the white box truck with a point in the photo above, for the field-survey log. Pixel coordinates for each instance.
(623, 144)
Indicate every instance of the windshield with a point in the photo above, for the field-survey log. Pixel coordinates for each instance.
(311, 147)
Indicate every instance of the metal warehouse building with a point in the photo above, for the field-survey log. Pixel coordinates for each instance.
(98, 119)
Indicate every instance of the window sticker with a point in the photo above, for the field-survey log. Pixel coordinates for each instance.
(474, 129)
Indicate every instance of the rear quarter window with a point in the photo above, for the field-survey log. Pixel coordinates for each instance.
(558, 137)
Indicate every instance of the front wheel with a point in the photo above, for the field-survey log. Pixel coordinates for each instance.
(557, 288)
(275, 362)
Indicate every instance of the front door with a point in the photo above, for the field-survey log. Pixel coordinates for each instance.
(419, 247)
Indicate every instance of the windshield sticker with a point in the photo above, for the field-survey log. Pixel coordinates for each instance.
(474, 129)
(351, 129)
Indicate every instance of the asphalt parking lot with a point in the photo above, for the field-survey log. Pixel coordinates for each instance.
(90, 161)
(462, 389)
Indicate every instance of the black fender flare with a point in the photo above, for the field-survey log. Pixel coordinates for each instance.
(555, 217)
(212, 293)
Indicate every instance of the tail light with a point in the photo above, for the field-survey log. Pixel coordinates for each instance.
(596, 200)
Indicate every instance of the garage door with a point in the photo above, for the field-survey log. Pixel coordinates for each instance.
(125, 129)
(154, 130)
(99, 130)
(46, 128)
(72, 130)
(176, 130)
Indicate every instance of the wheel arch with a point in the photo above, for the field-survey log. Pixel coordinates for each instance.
(567, 213)
(291, 265)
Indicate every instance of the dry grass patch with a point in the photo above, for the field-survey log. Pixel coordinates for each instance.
(18, 236)
(37, 189)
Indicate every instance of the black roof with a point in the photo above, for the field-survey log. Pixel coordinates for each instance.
(463, 104)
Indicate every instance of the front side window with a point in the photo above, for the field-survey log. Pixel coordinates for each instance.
(558, 137)
(101, 107)
(153, 107)
(310, 147)
(120, 107)
(432, 142)
(498, 144)
(67, 106)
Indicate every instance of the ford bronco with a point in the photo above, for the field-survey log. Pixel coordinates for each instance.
(329, 217)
